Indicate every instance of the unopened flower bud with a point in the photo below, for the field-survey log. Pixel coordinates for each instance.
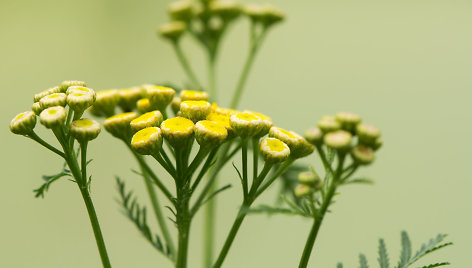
(226, 9)
(81, 89)
(70, 83)
(46, 92)
(129, 97)
(303, 190)
(254, 12)
(314, 136)
(309, 178)
(147, 141)
(144, 105)
(178, 131)
(195, 110)
(160, 97)
(186, 95)
(209, 133)
(150, 119)
(246, 125)
(79, 101)
(348, 121)
(329, 124)
(173, 30)
(85, 129)
(367, 134)
(271, 15)
(378, 144)
(55, 99)
(175, 105)
(181, 10)
(24, 123)
(362, 154)
(36, 108)
(53, 117)
(274, 150)
(338, 140)
(107, 100)
(119, 125)
(299, 147)
(266, 124)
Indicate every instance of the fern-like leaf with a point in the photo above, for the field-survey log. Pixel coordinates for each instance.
(363, 261)
(383, 256)
(433, 245)
(436, 265)
(405, 254)
(41, 190)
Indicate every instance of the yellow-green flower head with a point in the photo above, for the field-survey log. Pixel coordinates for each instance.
(53, 117)
(144, 105)
(70, 83)
(79, 101)
(246, 125)
(178, 131)
(147, 141)
(54, 99)
(209, 133)
(150, 119)
(195, 110)
(348, 121)
(129, 97)
(266, 123)
(314, 135)
(222, 119)
(378, 144)
(36, 108)
(181, 10)
(160, 97)
(274, 150)
(119, 125)
(367, 134)
(46, 92)
(84, 129)
(311, 179)
(362, 154)
(81, 89)
(339, 140)
(303, 190)
(175, 105)
(186, 95)
(173, 30)
(226, 9)
(271, 15)
(95, 112)
(299, 147)
(254, 12)
(328, 124)
(24, 123)
(107, 100)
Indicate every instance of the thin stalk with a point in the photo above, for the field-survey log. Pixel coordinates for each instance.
(212, 77)
(255, 156)
(53, 149)
(244, 143)
(186, 66)
(83, 156)
(285, 165)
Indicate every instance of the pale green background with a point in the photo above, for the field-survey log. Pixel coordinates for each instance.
(404, 65)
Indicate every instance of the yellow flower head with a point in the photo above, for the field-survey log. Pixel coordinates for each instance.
(53, 117)
(129, 97)
(119, 125)
(81, 89)
(24, 123)
(195, 110)
(84, 129)
(299, 147)
(226, 9)
(107, 100)
(79, 101)
(222, 119)
(209, 133)
(180, 10)
(70, 83)
(314, 135)
(328, 124)
(147, 141)
(46, 92)
(150, 119)
(266, 123)
(36, 108)
(54, 99)
(368, 134)
(339, 140)
(186, 95)
(175, 105)
(246, 125)
(177, 130)
(348, 121)
(274, 150)
(144, 105)
(172, 30)
(363, 155)
(160, 97)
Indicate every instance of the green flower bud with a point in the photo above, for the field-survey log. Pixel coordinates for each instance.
(271, 15)
(46, 92)
(181, 10)
(303, 190)
(173, 30)
(186, 95)
(84, 129)
(338, 140)
(144, 105)
(36, 108)
(363, 155)
(119, 125)
(246, 125)
(53, 117)
(79, 101)
(175, 105)
(225, 9)
(66, 84)
(95, 112)
(160, 97)
(55, 99)
(147, 141)
(309, 178)
(178, 131)
(368, 134)
(314, 136)
(195, 110)
(81, 89)
(328, 124)
(107, 100)
(129, 98)
(209, 133)
(378, 143)
(274, 150)
(348, 121)
(299, 147)
(150, 119)
(266, 123)
(254, 11)
(24, 123)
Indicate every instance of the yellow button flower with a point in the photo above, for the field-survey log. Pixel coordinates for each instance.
(84, 129)
(266, 123)
(36, 108)
(23, 123)
(195, 110)
(147, 141)
(177, 130)
(246, 125)
(160, 97)
(150, 119)
(299, 147)
(107, 100)
(172, 30)
(144, 105)
(339, 140)
(186, 95)
(53, 117)
(55, 99)
(119, 125)
(70, 83)
(209, 133)
(79, 101)
(46, 92)
(129, 97)
(274, 150)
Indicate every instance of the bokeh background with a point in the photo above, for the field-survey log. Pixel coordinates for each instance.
(403, 65)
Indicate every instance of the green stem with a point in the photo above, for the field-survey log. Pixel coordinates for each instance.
(212, 78)
(53, 149)
(244, 144)
(83, 156)
(185, 64)
(285, 165)
(255, 157)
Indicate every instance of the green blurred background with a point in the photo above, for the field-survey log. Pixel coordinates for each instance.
(403, 65)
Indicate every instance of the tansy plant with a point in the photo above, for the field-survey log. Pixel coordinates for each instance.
(190, 138)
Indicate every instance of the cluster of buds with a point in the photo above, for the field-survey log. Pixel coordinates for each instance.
(346, 133)
(55, 107)
(308, 183)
